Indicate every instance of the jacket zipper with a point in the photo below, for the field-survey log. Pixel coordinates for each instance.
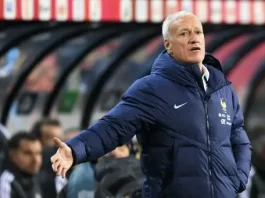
(205, 105)
(209, 147)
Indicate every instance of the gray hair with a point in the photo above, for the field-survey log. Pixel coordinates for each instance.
(172, 18)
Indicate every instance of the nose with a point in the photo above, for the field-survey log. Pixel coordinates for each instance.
(194, 38)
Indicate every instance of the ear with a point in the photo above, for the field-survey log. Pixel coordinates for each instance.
(168, 46)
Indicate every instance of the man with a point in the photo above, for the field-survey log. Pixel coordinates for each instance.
(24, 161)
(46, 129)
(188, 115)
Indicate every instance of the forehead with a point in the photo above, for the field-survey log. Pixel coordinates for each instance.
(186, 22)
(33, 145)
(48, 127)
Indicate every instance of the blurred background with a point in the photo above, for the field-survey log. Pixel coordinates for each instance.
(65, 63)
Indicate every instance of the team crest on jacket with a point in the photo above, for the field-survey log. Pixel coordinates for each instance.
(223, 104)
(225, 118)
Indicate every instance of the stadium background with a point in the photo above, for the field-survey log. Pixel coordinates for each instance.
(73, 59)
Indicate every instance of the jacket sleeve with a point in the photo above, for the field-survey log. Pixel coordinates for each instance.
(134, 113)
(240, 145)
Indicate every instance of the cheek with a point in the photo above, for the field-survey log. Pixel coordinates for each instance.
(39, 160)
(22, 160)
(180, 49)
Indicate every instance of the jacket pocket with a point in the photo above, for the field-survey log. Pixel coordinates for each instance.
(234, 164)
(169, 172)
(234, 174)
(226, 160)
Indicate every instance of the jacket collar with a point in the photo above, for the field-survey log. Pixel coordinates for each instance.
(206, 73)
(168, 67)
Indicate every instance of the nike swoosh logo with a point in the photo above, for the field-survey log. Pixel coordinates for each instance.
(177, 107)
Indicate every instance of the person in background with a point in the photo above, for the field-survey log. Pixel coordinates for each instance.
(119, 152)
(46, 129)
(18, 179)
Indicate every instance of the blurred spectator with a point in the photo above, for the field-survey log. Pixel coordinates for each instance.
(80, 182)
(120, 152)
(23, 164)
(46, 130)
(49, 182)
(118, 174)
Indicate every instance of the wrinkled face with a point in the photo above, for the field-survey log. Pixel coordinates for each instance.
(28, 157)
(48, 133)
(186, 41)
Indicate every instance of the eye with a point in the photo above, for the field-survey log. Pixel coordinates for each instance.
(183, 34)
(198, 32)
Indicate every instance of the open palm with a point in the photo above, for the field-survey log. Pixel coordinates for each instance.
(63, 159)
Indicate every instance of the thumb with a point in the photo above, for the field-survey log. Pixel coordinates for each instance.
(58, 142)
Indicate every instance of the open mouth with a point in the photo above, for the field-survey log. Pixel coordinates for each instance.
(195, 49)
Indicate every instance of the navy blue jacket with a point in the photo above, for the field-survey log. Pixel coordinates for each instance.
(194, 143)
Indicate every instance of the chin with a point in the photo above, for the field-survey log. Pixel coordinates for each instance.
(196, 62)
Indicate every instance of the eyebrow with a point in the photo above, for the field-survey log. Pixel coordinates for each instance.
(184, 29)
(187, 29)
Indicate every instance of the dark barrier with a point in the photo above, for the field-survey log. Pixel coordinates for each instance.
(221, 38)
(16, 35)
(254, 85)
(251, 43)
(137, 39)
(98, 38)
(256, 133)
(58, 39)
(151, 61)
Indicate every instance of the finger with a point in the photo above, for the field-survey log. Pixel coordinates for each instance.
(56, 165)
(54, 158)
(58, 142)
(53, 164)
(64, 172)
(59, 170)
(53, 167)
